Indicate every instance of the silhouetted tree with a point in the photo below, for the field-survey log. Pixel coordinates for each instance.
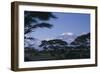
(82, 40)
(54, 44)
(56, 47)
(34, 20)
(83, 45)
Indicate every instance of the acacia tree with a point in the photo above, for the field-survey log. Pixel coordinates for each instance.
(53, 44)
(83, 47)
(34, 20)
(83, 40)
(55, 47)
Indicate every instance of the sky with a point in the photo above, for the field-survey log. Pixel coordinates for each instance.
(65, 23)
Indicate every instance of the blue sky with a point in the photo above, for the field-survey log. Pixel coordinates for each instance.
(71, 23)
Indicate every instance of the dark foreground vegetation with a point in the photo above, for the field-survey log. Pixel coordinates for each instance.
(58, 54)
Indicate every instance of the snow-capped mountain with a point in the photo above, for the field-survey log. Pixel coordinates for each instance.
(68, 37)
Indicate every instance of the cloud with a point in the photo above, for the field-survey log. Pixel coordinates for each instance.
(67, 33)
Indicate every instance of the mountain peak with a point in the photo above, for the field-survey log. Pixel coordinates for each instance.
(67, 36)
(67, 33)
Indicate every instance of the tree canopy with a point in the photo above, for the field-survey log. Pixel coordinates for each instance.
(33, 20)
(53, 44)
(82, 40)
